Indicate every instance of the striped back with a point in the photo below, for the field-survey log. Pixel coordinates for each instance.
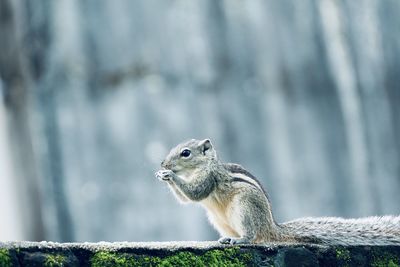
(240, 174)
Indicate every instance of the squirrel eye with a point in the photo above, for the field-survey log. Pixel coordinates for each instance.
(185, 153)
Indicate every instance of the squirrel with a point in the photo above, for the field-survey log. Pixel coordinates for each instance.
(240, 210)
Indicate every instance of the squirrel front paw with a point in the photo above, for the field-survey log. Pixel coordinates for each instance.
(165, 175)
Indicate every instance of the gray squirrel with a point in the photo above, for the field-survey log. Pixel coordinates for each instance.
(239, 208)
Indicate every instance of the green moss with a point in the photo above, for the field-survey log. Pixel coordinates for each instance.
(216, 257)
(181, 259)
(107, 258)
(387, 260)
(227, 257)
(54, 260)
(5, 259)
(342, 254)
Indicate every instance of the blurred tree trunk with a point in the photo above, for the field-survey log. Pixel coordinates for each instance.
(27, 41)
(15, 81)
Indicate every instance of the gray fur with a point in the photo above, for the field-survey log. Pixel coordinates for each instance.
(333, 230)
(238, 179)
(236, 168)
(239, 208)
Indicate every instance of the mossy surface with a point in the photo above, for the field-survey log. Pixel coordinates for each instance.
(56, 260)
(215, 257)
(385, 259)
(5, 258)
(342, 254)
(193, 254)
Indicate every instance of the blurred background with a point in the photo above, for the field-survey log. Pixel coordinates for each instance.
(93, 94)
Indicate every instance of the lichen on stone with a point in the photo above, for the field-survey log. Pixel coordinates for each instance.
(107, 258)
(385, 260)
(215, 257)
(56, 260)
(342, 254)
(5, 259)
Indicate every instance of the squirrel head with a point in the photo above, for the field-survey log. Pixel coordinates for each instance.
(189, 156)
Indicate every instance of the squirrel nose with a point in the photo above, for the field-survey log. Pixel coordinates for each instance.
(166, 164)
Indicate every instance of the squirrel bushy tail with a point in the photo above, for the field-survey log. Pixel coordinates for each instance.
(332, 230)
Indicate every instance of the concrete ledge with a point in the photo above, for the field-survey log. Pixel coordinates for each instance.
(192, 254)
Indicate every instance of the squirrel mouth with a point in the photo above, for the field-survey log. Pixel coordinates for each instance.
(175, 170)
(170, 168)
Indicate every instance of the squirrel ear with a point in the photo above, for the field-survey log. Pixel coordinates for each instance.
(205, 145)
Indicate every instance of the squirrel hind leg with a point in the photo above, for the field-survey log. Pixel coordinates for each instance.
(242, 225)
(245, 220)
